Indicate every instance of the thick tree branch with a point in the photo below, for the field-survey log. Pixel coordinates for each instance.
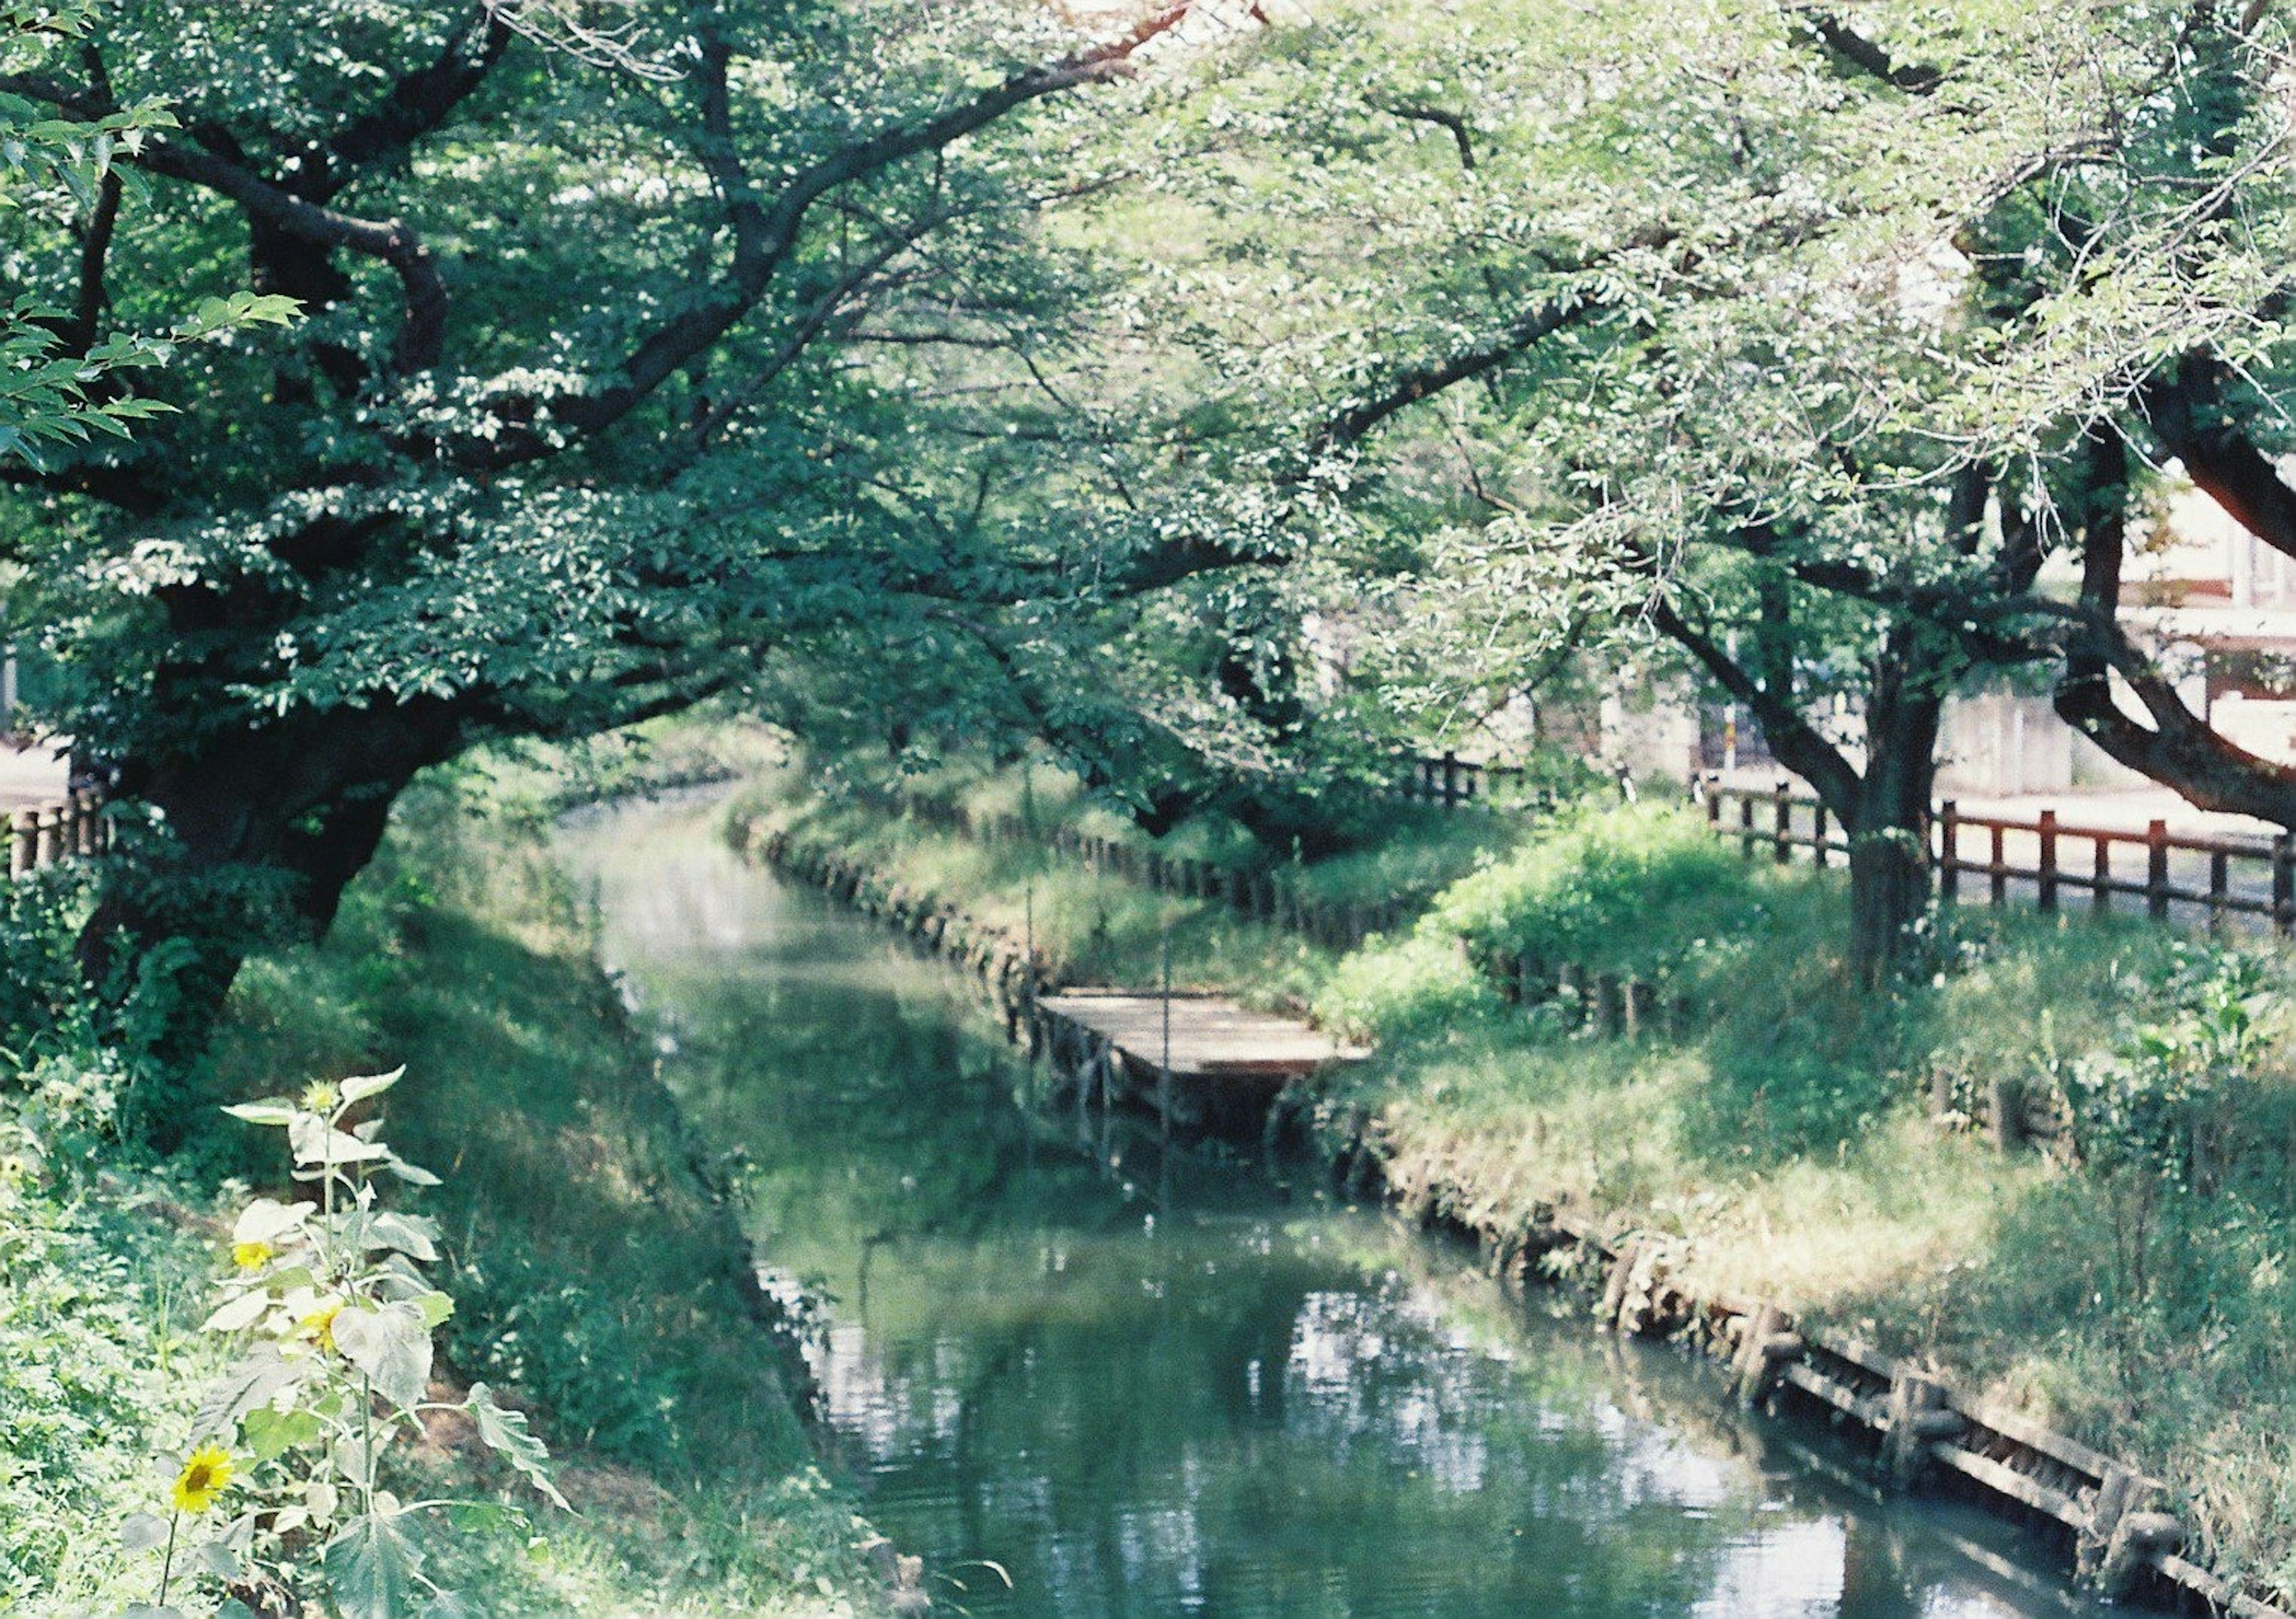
(2177, 748)
(94, 249)
(765, 234)
(2186, 412)
(1462, 133)
(1346, 427)
(1798, 744)
(418, 103)
(271, 207)
(1868, 55)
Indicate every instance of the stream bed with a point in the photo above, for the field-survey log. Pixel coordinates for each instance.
(1083, 1378)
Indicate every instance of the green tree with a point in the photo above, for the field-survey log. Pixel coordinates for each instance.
(1833, 338)
(62, 368)
(580, 424)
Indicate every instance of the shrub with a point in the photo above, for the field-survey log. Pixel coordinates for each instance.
(1415, 988)
(1633, 888)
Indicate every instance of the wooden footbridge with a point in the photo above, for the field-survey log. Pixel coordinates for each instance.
(1199, 1036)
(1225, 1062)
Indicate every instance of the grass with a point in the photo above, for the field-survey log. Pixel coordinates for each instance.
(1092, 927)
(2133, 1286)
(596, 1275)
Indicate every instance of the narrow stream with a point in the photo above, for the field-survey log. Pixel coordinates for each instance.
(1147, 1389)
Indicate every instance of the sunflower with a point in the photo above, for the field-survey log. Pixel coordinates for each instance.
(319, 1326)
(205, 1473)
(252, 1255)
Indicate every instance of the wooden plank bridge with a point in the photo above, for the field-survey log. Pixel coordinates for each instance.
(1227, 1063)
(1211, 1037)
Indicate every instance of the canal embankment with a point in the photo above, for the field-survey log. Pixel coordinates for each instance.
(1081, 1370)
(2099, 1274)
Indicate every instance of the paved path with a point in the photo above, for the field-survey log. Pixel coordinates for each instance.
(34, 776)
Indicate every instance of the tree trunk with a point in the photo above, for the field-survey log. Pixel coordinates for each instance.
(1889, 891)
(1889, 864)
(259, 836)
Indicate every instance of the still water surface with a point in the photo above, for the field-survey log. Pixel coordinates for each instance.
(1143, 1389)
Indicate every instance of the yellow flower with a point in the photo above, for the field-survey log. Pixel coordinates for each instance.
(319, 1326)
(252, 1255)
(205, 1473)
(320, 1097)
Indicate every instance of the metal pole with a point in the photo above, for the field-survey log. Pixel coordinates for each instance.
(1164, 1077)
(1029, 993)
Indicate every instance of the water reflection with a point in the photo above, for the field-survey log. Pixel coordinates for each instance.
(1167, 1390)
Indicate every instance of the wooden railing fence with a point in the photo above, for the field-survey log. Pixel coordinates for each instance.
(43, 835)
(1258, 893)
(2046, 860)
(1454, 782)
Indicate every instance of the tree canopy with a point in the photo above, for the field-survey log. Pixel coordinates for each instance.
(1218, 391)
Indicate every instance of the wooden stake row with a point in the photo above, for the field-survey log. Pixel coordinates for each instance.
(39, 835)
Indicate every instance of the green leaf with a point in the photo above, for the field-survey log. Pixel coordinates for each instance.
(269, 1433)
(276, 1114)
(145, 1531)
(371, 1568)
(364, 1085)
(506, 1432)
(414, 1175)
(410, 1234)
(391, 1346)
(316, 1141)
(267, 1219)
(238, 1314)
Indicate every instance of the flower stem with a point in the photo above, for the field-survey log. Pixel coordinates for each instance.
(168, 1560)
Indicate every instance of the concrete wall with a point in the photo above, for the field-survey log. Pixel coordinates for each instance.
(2005, 742)
(1652, 728)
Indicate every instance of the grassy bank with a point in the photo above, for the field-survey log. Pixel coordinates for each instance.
(1090, 926)
(597, 1278)
(2127, 1282)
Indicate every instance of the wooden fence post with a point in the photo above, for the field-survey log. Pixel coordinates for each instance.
(2156, 871)
(1746, 836)
(1765, 1343)
(2048, 861)
(2006, 1098)
(1782, 817)
(1917, 1410)
(2219, 888)
(1817, 834)
(1713, 797)
(1609, 1005)
(1450, 779)
(1642, 1002)
(1999, 866)
(2284, 882)
(2101, 879)
(1948, 849)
